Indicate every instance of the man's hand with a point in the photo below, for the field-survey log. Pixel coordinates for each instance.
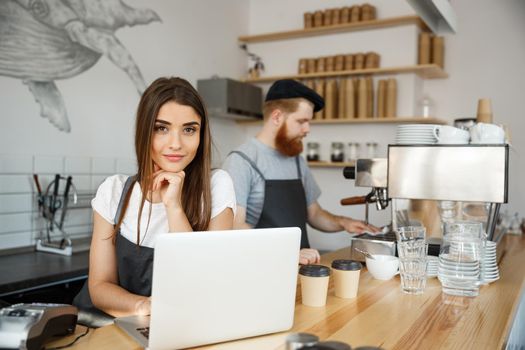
(309, 256)
(325, 221)
(357, 226)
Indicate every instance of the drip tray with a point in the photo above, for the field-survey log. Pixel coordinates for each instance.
(374, 244)
(384, 244)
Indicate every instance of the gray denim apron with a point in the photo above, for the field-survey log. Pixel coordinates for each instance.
(134, 267)
(284, 202)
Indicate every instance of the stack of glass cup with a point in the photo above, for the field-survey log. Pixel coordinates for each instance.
(412, 249)
(460, 257)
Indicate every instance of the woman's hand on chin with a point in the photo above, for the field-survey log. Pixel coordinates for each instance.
(170, 187)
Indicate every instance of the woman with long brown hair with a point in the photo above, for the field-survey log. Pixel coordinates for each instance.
(174, 190)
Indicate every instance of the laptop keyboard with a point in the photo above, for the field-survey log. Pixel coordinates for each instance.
(144, 331)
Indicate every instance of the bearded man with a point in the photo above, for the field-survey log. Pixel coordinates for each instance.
(273, 184)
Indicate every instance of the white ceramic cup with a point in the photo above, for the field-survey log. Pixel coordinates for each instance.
(383, 267)
(487, 133)
(451, 135)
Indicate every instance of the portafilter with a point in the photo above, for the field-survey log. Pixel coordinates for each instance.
(369, 173)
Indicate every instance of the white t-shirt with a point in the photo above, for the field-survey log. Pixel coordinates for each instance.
(108, 195)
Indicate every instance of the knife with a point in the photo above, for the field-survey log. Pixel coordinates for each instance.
(39, 190)
(55, 204)
(64, 202)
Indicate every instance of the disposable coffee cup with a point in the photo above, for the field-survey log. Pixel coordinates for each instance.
(484, 114)
(314, 284)
(346, 277)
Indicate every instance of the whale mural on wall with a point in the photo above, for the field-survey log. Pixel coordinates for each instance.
(46, 40)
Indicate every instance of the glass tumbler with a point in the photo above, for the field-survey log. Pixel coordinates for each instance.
(448, 211)
(371, 149)
(412, 249)
(460, 258)
(353, 151)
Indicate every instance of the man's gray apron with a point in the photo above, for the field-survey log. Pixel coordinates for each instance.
(284, 202)
(135, 271)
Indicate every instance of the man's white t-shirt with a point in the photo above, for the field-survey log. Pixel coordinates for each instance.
(108, 196)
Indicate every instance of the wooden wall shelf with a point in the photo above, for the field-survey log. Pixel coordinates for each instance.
(425, 71)
(397, 120)
(330, 164)
(340, 28)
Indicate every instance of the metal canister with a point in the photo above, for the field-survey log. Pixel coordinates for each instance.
(297, 341)
(337, 152)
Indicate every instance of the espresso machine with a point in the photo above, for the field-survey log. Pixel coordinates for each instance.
(457, 173)
(415, 179)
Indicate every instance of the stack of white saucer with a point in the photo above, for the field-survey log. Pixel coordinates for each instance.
(416, 134)
(432, 266)
(489, 265)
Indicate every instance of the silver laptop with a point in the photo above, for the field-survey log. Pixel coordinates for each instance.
(214, 286)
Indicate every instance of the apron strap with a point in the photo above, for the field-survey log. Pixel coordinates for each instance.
(129, 181)
(298, 168)
(243, 155)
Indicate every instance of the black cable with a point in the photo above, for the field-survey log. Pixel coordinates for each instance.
(73, 342)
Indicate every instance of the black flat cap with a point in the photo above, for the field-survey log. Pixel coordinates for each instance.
(288, 88)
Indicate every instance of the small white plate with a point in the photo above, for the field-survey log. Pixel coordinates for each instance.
(490, 273)
(460, 272)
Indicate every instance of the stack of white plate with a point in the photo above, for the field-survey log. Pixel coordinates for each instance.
(432, 266)
(416, 134)
(489, 266)
(458, 271)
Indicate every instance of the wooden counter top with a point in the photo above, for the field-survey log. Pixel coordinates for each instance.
(383, 316)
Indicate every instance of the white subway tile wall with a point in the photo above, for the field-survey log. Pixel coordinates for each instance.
(15, 165)
(48, 164)
(77, 165)
(126, 166)
(103, 165)
(21, 223)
